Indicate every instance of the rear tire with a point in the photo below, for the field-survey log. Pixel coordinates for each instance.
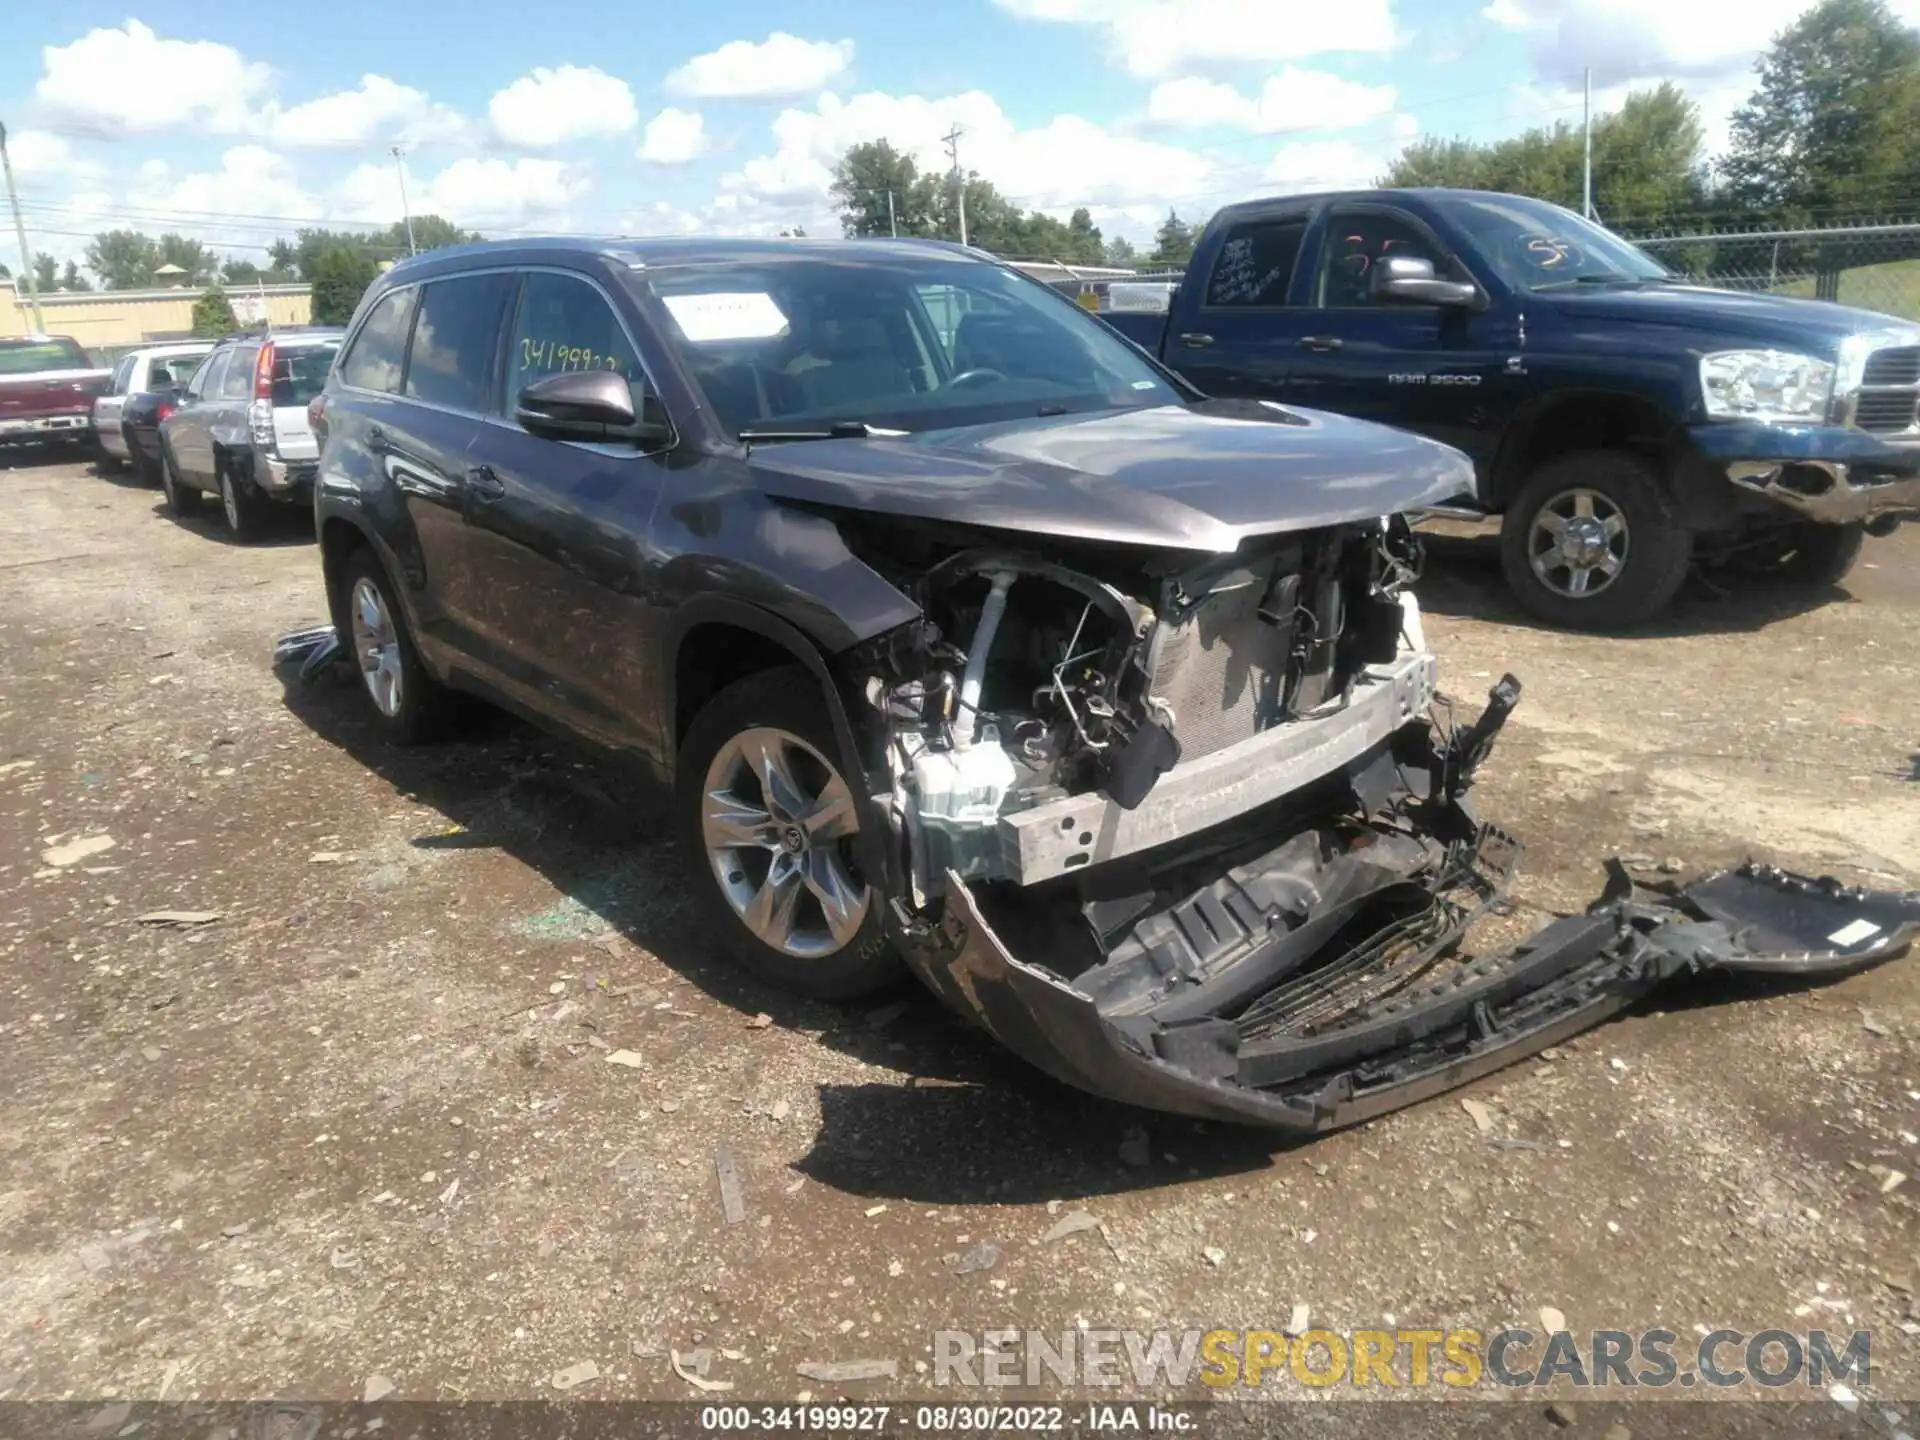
(1593, 541)
(245, 508)
(182, 498)
(786, 896)
(410, 706)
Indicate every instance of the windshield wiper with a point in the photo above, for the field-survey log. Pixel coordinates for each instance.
(1605, 280)
(838, 430)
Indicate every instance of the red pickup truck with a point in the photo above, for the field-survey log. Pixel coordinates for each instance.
(47, 387)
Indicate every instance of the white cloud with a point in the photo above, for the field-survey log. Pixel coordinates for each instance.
(1067, 162)
(378, 111)
(569, 102)
(1625, 40)
(1166, 37)
(661, 218)
(475, 193)
(199, 199)
(129, 80)
(1295, 99)
(674, 137)
(1307, 165)
(780, 67)
(36, 155)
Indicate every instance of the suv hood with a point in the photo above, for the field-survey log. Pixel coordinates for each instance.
(1203, 477)
(1774, 320)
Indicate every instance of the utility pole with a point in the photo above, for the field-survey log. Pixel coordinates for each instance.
(952, 141)
(1586, 185)
(20, 233)
(406, 210)
(893, 225)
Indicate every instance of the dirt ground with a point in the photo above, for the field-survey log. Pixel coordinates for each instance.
(364, 1125)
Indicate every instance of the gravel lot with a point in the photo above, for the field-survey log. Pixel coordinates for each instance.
(364, 1123)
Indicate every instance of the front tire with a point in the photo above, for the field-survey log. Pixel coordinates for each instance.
(1806, 553)
(1593, 542)
(409, 704)
(182, 498)
(770, 824)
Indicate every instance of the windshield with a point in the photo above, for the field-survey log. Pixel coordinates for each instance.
(1537, 246)
(26, 357)
(911, 342)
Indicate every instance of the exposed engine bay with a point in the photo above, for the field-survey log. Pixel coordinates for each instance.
(1193, 835)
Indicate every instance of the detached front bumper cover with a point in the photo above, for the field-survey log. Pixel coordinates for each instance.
(1832, 474)
(1375, 1056)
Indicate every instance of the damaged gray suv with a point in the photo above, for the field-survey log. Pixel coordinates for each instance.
(970, 637)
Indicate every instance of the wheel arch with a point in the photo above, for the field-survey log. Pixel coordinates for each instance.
(1568, 421)
(715, 641)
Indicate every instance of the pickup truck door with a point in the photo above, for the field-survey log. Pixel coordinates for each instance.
(558, 529)
(1236, 335)
(1438, 370)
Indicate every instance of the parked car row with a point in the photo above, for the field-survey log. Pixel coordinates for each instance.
(969, 636)
(226, 418)
(1626, 424)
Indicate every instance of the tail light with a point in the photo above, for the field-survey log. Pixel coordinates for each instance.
(163, 410)
(260, 413)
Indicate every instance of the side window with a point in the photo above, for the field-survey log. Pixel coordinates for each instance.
(565, 324)
(123, 375)
(456, 338)
(237, 384)
(379, 351)
(1354, 243)
(1255, 267)
(206, 380)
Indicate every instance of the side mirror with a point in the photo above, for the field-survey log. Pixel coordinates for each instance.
(589, 405)
(1410, 279)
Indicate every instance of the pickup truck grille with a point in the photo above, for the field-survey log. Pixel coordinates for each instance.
(1889, 391)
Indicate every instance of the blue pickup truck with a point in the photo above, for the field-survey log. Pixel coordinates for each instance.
(1625, 423)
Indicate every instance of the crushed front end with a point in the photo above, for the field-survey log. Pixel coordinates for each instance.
(1186, 834)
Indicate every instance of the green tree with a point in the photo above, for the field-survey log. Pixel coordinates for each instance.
(46, 273)
(430, 232)
(340, 276)
(200, 263)
(213, 315)
(1646, 160)
(240, 273)
(1119, 251)
(1173, 241)
(1832, 124)
(862, 181)
(123, 259)
(72, 279)
(283, 258)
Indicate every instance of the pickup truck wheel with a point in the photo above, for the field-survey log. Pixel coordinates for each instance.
(1592, 542)
(243, 505)
(770, 821)
(1806, 553)
(182, 498)
(411, 706)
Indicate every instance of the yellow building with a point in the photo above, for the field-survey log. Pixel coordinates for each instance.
(115, 320)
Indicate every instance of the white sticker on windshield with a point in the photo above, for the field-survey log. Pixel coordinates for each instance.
(742, 315)
(1145, 384)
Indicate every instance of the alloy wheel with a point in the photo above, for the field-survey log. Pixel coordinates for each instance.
(229, 501)
(376, 644)
(1577, 544)
(778, 823)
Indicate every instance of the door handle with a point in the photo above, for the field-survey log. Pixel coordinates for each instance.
(483, 484)
(1194, 340)
(377, 441)
(1320, 342)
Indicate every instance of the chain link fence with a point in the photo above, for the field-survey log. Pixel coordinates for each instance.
(1871, 266)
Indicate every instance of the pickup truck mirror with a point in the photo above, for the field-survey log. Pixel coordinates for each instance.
(589, 405)
(1410, 278)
